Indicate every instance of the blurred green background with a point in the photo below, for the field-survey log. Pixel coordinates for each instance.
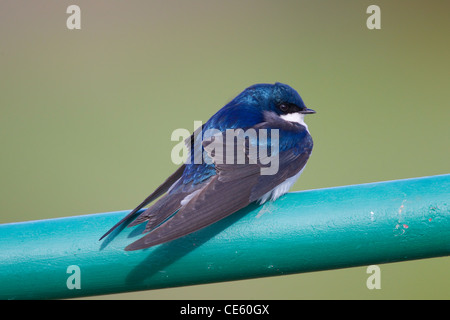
(86, 115)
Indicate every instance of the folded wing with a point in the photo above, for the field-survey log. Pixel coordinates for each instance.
(232, 188)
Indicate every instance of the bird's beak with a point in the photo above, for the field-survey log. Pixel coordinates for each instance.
(307, 111)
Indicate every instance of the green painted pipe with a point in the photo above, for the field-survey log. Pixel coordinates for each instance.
(302, 231)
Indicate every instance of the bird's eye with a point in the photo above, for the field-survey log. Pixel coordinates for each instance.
(283, 107)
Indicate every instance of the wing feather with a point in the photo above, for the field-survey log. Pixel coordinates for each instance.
(158, 192)
(231, 189)
(207, 207)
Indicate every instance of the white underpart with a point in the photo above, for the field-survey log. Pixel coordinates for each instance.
(281, 189)
(189, 197)
(295, 117)
(284, 187)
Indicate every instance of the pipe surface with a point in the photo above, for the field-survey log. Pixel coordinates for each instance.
(300, 232)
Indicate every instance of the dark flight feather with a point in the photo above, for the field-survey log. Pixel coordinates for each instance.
(231, 189)
(158, 192)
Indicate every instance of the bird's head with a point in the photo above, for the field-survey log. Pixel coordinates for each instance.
(279, 98)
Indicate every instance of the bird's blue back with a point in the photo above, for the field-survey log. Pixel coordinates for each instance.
(245, 111)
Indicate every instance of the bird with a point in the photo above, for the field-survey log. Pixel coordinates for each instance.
(206, 189)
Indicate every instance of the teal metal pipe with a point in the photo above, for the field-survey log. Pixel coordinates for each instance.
(302, 231)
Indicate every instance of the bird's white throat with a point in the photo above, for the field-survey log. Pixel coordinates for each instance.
(295, 117)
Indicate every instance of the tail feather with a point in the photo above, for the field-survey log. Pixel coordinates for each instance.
(158, 192)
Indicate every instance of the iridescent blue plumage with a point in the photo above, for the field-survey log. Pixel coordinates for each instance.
(202, 192)
(245, 111)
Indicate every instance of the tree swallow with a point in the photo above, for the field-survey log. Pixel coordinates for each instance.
(201, 193)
